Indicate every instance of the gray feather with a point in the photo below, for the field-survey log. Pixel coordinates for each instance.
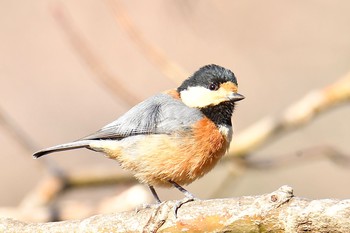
(159, 114)
(62, 147)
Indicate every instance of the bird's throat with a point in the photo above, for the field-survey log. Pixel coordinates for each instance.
(220, 114)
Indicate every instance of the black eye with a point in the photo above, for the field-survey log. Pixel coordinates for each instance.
(213, 86)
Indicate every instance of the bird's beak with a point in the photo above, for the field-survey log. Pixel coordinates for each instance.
(234, 97)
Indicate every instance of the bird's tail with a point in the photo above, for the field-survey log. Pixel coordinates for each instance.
(63, 147)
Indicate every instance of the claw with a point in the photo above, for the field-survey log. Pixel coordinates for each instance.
(179, 203)
(189, 197)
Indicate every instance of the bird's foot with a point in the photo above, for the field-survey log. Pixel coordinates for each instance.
(185, 200)
(147, 206)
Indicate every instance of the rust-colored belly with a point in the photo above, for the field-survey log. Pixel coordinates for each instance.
(182, 158)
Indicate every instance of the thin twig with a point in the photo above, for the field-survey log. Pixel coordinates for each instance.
(309, 154)
(16, 132)
(81, 47)
(169, 68)
(297, 115)
(55, 183)
(131, 198)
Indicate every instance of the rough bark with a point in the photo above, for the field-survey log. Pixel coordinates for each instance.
(278, 211)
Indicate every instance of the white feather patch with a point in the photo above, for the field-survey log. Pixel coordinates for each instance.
(199, 97)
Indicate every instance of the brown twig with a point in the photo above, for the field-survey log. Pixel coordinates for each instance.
(37, 204)
(44, 192)
(57, 182)
(35, 209)
(297, 115)
(309, 154)
(16, 132)
(95, 177)
(80, 45)
(169, 68)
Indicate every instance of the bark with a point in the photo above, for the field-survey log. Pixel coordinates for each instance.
(278, 211)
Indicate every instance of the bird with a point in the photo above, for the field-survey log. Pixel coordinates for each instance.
(172, 138)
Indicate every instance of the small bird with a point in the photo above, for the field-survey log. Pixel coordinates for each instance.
(171, 138)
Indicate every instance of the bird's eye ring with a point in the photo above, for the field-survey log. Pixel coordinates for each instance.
(213, 86)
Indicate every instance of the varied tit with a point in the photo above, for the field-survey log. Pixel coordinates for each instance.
(172, 138)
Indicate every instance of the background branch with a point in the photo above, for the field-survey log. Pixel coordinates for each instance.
(297, 115)
(169, 68)
(300, 157)
(87, 55)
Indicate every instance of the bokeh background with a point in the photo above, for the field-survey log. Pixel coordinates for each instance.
(69, 67)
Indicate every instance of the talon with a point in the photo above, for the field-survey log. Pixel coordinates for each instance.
(189, 197)
(179, 203)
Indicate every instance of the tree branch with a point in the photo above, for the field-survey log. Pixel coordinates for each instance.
(54, 183)
(297, 115)
(169, 68)
(278, 211)
(301, 156)
(87, 55)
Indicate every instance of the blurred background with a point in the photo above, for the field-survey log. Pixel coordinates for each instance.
(68, 68)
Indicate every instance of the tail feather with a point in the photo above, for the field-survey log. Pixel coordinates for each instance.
(63, 147)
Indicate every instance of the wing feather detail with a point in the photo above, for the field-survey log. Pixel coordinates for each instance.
(159, 114)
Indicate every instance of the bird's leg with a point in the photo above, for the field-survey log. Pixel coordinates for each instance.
(184, 191)
(154, 193)
(189, 197)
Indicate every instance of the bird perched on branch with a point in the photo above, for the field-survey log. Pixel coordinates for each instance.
(172, 138)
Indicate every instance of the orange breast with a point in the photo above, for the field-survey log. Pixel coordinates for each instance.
(182, 157)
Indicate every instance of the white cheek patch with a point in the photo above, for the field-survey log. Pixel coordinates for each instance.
(199, 97)
(195, 96)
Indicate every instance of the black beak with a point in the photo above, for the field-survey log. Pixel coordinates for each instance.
(234, 97)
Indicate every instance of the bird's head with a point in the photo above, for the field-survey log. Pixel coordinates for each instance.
(210, 86)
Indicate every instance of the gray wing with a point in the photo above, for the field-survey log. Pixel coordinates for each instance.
(160, 114)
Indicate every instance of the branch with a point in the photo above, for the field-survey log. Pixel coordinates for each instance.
(87, 55)
(170, 69)
(295, 116)
(55, 183)
(299, 157)
(278, 211)
(14, 130)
